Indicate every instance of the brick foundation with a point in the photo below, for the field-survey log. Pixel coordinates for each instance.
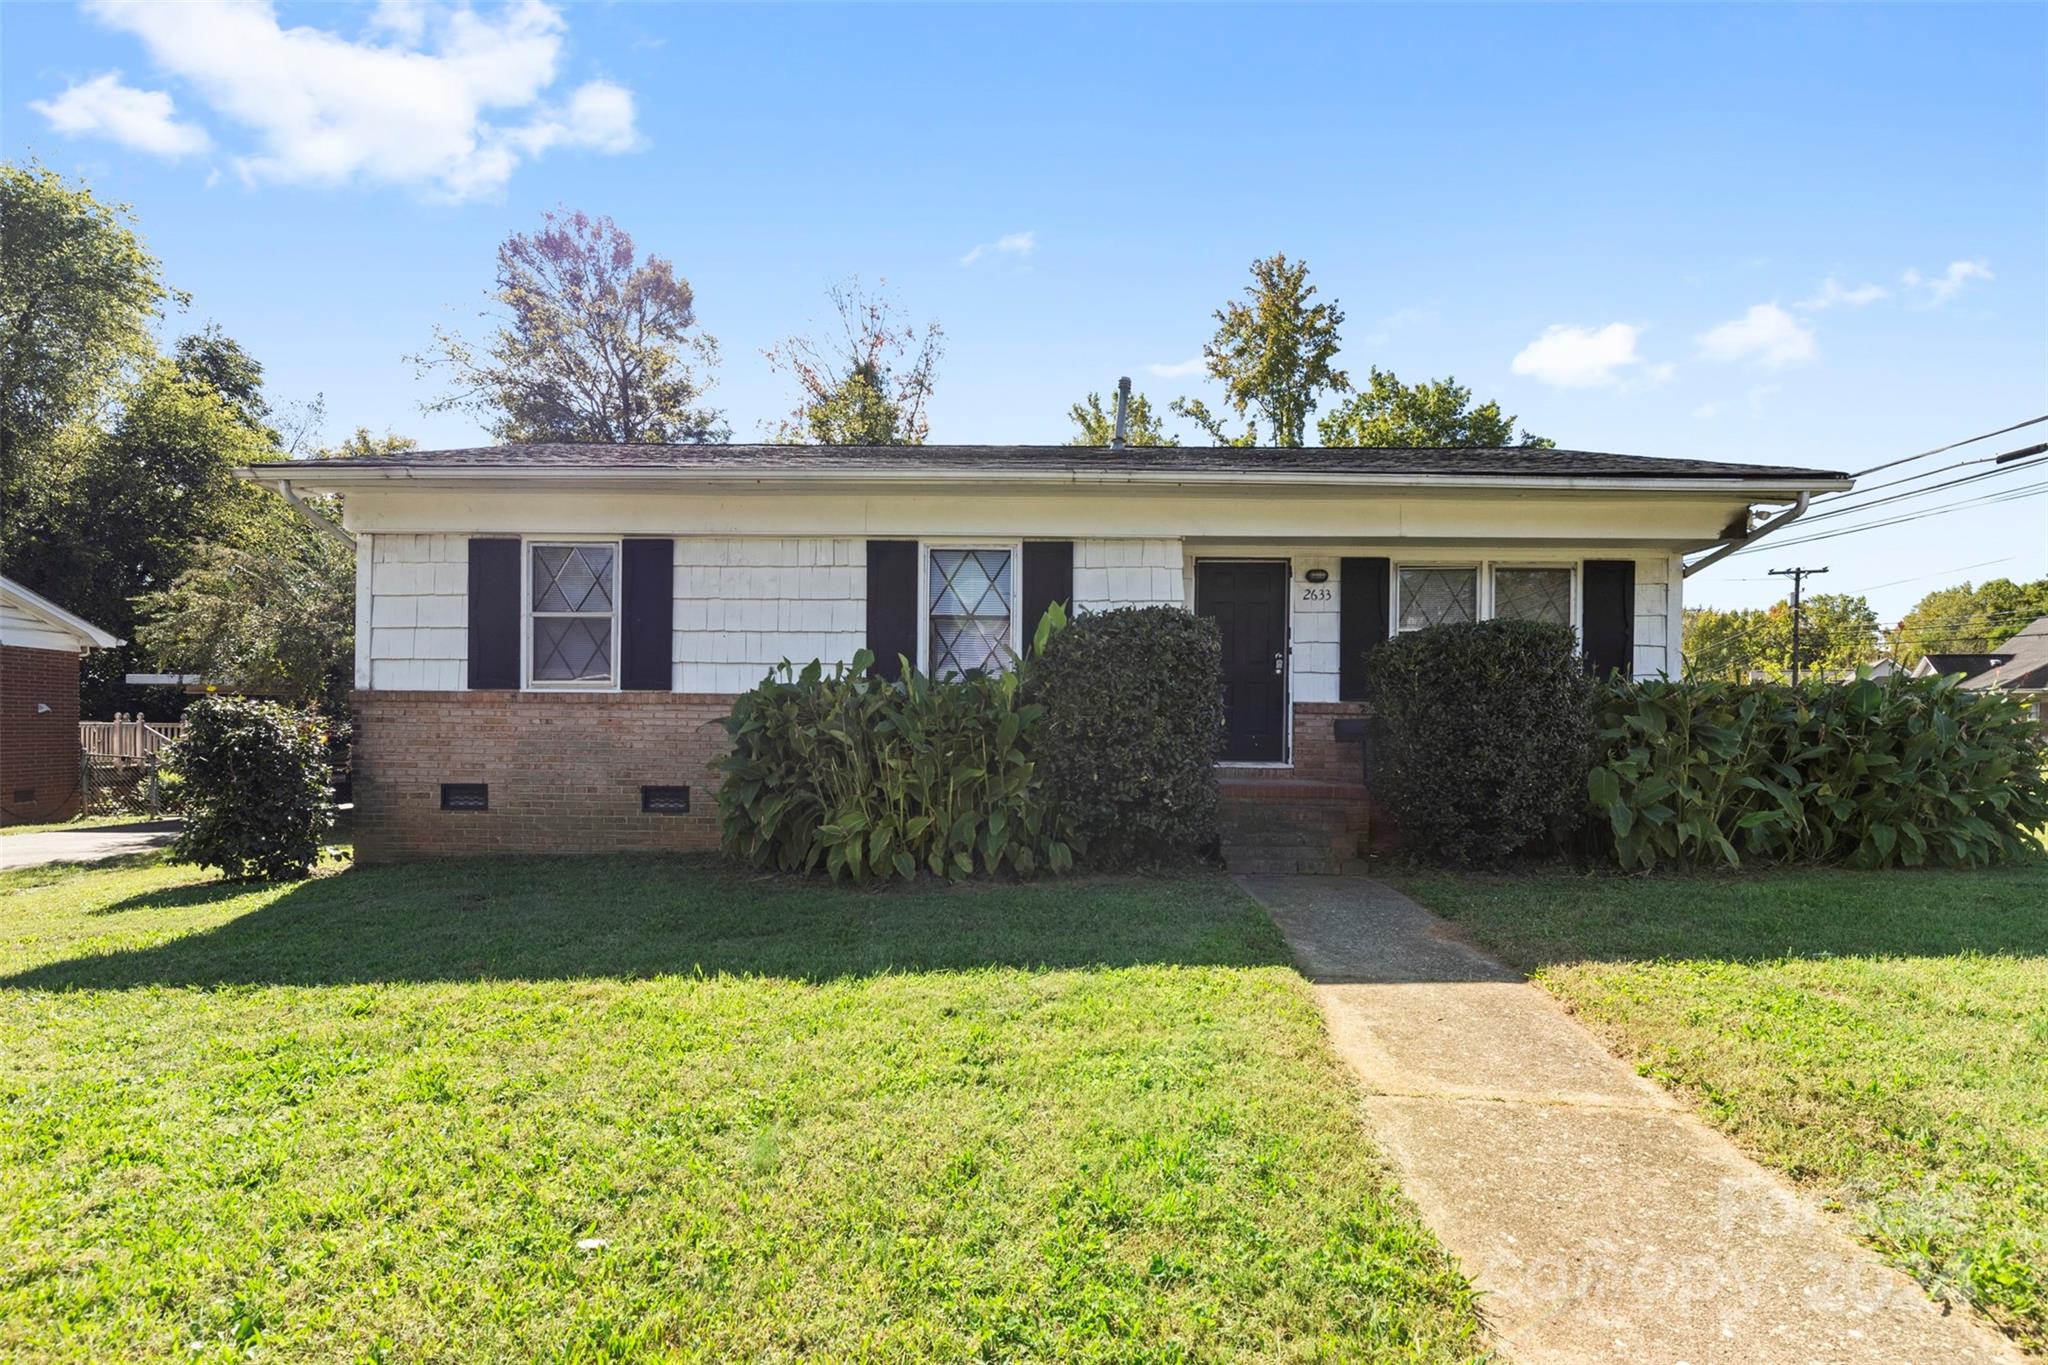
(564, 771)
(38, 751)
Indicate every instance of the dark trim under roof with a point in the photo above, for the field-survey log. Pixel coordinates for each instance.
(1516, 462)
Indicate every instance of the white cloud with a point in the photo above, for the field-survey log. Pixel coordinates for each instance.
(145, 120)
(1945, 286)
(1766, 334)
(1009, 244)
(1179, 369)
(1833, 293)
(1579, 357)
(1659, 373)
(1707, 411)
(444, 99)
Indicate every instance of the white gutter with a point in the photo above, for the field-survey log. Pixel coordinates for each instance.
(362, 476)
(1742, 542)
(320, 523)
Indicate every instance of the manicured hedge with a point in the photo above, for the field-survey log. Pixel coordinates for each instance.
(1903, 771)
(1483, 737)
(253, 781)
(1133, 722)
(873, 780)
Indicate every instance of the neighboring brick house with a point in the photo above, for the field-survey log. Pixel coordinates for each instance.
(39, 647)
(547, 635)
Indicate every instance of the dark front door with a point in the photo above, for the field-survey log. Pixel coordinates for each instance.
(1249, 604)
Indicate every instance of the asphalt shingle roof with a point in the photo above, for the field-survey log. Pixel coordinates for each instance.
(1517, 461)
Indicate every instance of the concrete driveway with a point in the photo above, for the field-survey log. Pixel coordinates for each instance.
(85, 845)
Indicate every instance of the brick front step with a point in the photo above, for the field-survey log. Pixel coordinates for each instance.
(1288, 825)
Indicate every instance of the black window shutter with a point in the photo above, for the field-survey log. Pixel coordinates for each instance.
(892, 605)
(1361, 622)
(1609, 616)
(1048, 578)
(493, 614)
(647, 572)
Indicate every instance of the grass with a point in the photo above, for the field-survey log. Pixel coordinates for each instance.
(646, 1108)
(1881, 1037)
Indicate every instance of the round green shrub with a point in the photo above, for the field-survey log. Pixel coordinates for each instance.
(1133, 723)
(1484, 737)
(254, 778)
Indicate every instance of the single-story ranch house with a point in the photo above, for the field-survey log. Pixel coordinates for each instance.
(547, 635)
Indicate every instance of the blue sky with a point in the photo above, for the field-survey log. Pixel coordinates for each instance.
(1813, 235)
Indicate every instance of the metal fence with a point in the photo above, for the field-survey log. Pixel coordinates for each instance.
(119, 786)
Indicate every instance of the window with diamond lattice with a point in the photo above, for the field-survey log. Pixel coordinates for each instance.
(970, 611)
(572, 612)
(1438, 597)
(1533, 595)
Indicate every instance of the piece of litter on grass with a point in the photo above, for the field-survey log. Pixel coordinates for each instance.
(592, 1244)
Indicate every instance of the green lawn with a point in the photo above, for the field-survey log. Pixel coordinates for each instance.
(646, 1108)
(1882, 1037)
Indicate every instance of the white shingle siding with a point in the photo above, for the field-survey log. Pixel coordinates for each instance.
(744, 604)
(1657, 641)
(1127, 573)
(419, 612)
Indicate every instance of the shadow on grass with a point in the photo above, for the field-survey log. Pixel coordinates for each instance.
(516, 919)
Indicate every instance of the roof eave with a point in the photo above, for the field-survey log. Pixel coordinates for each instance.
(311, 475)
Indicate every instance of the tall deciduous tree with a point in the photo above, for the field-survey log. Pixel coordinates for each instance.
(1838, 632)
(78, 294)
(1968, 620)
(1095, 425)
(1274, 355)
(1436, 412)
(272, 609)
(867, 385)
(594, 344)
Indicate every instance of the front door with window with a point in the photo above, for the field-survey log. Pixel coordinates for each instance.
(1248, 601)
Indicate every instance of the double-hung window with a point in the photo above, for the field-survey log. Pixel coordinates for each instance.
(968, 599)
(573, 606)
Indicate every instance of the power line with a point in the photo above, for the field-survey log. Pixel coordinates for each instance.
(1841, 511)
(1893, 464)
(2007, 458)
(1982, 500)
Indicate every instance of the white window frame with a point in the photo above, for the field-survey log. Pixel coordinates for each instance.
(1481, 583)
(527, 545)
(1015, 549)
(1570, 567)
(1483, 597)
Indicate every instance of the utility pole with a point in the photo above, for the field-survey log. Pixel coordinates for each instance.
(1798, 577)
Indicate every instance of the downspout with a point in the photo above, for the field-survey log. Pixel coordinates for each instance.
(1744, 541)
(320, 523)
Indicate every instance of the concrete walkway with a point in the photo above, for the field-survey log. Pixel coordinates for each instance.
(88, 845)
(1599, 1218)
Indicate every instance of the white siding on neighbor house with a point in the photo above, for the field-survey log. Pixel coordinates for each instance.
(746, 603)
(25, 630)
(419, 612)
(1125, 573)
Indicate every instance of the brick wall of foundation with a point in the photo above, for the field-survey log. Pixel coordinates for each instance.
(564, 771)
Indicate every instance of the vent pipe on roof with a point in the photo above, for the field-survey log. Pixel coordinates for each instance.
(1123, 412)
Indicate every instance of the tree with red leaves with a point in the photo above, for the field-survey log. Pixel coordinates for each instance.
(593, 344)
(869, 385)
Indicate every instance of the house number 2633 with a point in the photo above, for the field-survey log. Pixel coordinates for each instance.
(1315, 594)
